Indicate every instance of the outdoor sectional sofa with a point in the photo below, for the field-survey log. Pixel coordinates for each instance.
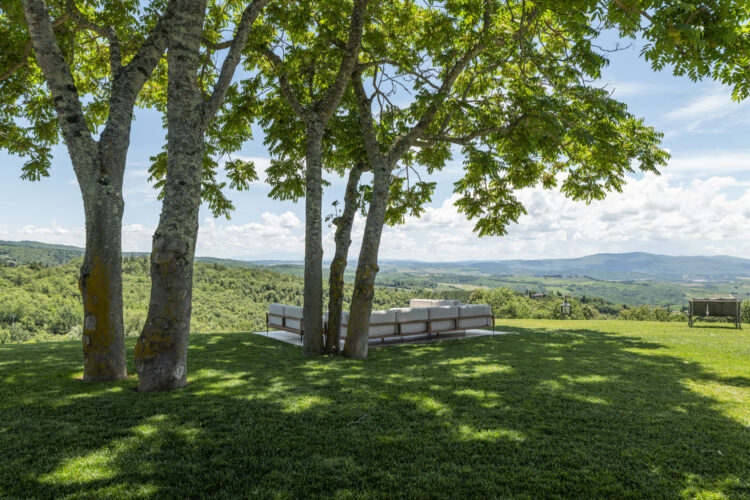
(424, 317)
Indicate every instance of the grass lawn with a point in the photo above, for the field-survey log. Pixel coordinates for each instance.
(555, 409)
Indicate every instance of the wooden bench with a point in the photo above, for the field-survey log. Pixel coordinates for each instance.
(714, 308)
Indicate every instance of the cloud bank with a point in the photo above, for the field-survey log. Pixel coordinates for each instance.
(668, 214)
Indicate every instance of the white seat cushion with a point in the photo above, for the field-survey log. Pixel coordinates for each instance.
(469, 310)
(414, 303)
(375, 317)
(293, 312)
(411, 320)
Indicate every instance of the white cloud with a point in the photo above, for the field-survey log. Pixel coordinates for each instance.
(136, 186)
(710, 107)
(654, 214)
(631, 88)
(50, 234)
(275, 237)
(709, 163)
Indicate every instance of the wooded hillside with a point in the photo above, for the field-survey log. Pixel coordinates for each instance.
(38, 301)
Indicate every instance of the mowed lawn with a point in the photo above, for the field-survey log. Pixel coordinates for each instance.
(555, 409)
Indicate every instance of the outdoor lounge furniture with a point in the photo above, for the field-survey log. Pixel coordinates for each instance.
(424, 319)
(433, 302)
(714, 308)
(286, 318)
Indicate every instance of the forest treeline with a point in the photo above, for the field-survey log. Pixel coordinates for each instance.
(40, 302)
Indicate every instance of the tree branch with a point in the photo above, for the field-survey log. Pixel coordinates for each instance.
(130, 79)
(217, 46)
(328, 104)
(404, 142)
(27, 49)
(284, 86)
(59, 78)
(634, 10)
(229, 66)
(108, 32)
(364, 104)
(427, 141)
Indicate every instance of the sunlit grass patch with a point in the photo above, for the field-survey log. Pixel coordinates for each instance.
(559, 409)
(467, 432)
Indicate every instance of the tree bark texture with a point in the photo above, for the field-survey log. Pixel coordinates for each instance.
(161, 350)
(100, 280)
(99, 168)
(367, 266)
(312, 312)
(343, 240)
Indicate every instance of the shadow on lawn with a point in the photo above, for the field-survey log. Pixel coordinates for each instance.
(562, 414)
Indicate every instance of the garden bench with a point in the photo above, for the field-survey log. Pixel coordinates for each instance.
(714, 308)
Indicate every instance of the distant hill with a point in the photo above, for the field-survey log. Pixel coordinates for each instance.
(21, 253)
(637, 266)
(605, 266)
(25, 252)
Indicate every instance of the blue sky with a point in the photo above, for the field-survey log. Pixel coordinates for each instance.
(699, 205)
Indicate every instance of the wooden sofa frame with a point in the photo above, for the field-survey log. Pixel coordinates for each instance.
(283, 325)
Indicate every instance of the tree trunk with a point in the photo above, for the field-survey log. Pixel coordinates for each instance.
(367, 266)
(343, 239)
(100, 283)
(161, 351)
(312, 313)
(99, 168)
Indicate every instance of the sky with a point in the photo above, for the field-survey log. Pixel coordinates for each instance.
(699, 205)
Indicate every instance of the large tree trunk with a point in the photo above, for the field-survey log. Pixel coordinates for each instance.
(100, 281)
(367, 266)
(161, 351)
(343, 239)
(99, 167)
(312, 314)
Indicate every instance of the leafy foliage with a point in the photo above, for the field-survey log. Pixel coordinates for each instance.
(697, 39)
(41, 303)
(28, 122)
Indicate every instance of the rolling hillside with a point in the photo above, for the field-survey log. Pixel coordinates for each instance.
(636, 266)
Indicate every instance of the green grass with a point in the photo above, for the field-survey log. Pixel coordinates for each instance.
(556, 409)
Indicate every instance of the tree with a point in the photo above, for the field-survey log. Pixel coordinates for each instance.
(94, 59)
(699, 39)
(345, 154)
(342, 239)
(512, 92)
(161, 350)
(307, 94)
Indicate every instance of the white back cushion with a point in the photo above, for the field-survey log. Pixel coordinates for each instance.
(411, 320)
(382, 317)
(276, 314)
(468, 310)
(446, 316)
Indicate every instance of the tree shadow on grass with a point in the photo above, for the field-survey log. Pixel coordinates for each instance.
(576, 413)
